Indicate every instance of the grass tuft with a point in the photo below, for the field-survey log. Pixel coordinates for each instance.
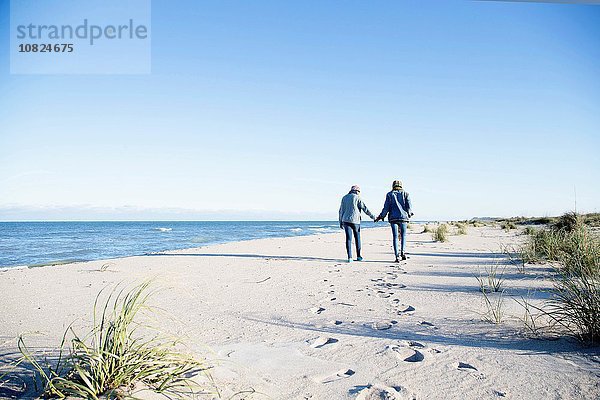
(494, 306)
(440, 233)
(492, 280)
(508, 226)
(575, 306)
(112, 358)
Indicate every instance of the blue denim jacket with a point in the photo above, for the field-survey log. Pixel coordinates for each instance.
(397, 205)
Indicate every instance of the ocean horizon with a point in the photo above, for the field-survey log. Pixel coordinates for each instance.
(42, 243)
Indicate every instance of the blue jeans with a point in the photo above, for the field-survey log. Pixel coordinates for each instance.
(395, 226)
(349, 230)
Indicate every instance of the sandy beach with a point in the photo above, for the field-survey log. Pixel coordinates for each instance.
(290, 319)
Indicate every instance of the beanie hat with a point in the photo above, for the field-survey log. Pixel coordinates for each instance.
(355, 188)
(397, 185)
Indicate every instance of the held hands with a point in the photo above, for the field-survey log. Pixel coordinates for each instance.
(378, 219)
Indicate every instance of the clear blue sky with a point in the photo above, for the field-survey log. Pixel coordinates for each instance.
(274, 109)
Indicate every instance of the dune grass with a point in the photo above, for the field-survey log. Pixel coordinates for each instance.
(114, 357)
(440, 233)
(575, 250)
(575, 306)
(508, 226)
(427, 229)
(461, 229)
(494, 307)
(492, 279)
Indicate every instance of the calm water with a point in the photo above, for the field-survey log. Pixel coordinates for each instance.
(38, 243)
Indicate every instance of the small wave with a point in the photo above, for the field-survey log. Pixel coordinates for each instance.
(296, 229)
(200, 239)
(321, 229)
(163, 229)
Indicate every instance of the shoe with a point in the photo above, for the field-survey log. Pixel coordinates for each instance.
(359, 259)
(349, 260)
(396, 260)
(403, 257)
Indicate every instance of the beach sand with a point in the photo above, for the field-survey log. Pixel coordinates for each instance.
(290, 319)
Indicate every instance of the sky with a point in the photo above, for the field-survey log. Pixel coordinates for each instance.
(269, 110)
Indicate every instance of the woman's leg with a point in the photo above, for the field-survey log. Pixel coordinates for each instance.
(395, 237)
(356, 229)
(348, 231)
(402, 237)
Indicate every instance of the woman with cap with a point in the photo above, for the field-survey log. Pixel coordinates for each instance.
(349, 218)
(398, 208)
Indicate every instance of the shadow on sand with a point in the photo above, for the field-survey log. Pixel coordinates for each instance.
(481, 337)
(261, 257)
(416, 255)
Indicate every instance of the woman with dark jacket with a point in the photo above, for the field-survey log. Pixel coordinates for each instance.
(398, 209)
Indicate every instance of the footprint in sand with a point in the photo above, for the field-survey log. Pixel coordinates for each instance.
(389, 285)
(470, 369)
(322, 341)
(405, 309)
(341, 374)
(317, 310)
(376, 392)
(409, 353)
(466, 367)
(412, 343)
(381, 325)
(427, 324)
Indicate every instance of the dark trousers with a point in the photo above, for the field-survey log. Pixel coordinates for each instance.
(349, 230)
(398, 226)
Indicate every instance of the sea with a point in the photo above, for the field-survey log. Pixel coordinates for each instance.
(33, 244)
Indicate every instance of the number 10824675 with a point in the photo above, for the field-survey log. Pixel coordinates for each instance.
(45, 48)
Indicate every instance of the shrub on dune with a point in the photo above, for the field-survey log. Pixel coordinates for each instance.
(568, 222)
